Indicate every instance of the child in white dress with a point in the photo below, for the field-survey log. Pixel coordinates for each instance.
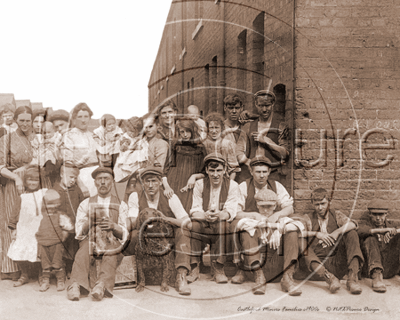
(25, 222)
(107, 136)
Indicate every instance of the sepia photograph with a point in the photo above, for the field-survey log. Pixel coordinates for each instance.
(200, 159)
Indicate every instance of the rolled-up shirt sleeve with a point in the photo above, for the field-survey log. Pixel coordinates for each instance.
(82, 216)
(231, 203)
(122, 220)
(177, 207)
(133, 205)
(284, 198)
(197, 204)
(243, 196)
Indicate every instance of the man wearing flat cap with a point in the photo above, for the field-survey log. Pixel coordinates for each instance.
(268, 132)
(153, 197)
(60, 120)
(254, 193)
(380, 243)
(214, 207)
(103, 210)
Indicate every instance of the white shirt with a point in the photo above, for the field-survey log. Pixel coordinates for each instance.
(284, 198)
(174, 203)
(230, 205)
(82, 216)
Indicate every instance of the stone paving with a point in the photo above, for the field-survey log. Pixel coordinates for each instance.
(207, 301)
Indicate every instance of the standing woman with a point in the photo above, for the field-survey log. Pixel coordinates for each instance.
(15, 154)
(79, 147)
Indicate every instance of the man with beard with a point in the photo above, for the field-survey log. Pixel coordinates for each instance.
(268, 132)
(113, 220)
(380, 244)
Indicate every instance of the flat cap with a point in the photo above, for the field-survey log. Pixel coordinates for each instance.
(266, 197)
(257, 160)
(151, 170)
(102, 170)
(215, 156)
(378, 205)
(59, 115)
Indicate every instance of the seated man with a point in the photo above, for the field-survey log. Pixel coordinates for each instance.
(260, 196)
(151, 197)
(113, 221)
(214, 206)
(380, 244)
(333, 238)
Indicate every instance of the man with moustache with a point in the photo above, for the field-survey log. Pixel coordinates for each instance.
(114, 221)
(153, 197)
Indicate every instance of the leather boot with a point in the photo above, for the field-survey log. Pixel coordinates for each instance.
(45, 282)
(194, 273)
(377, 281)
(181, 284)
(334, 283)
(288, 284)
(352, 282)
(74, 292)
(98, 291)
(260, 285)
(239, 277)
(60, 275)
(219, 272)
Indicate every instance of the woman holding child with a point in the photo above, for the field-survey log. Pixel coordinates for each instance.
(79, 147)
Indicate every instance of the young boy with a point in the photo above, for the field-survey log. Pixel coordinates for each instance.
(334, 247)
(70, 198)
(53, 230)
(253, 229)
(380, 243)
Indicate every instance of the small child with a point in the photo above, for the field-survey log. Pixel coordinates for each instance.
(24, 222)
(7, 119)
(133, 156)
(53, 230)
(45, 146)
(70, 197)
(107, 136)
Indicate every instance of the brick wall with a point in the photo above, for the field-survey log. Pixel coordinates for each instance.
(347, 77)
(341, 75)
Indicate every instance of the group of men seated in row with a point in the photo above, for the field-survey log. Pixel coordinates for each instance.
(253, 222)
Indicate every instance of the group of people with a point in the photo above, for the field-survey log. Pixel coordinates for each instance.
(69, 195)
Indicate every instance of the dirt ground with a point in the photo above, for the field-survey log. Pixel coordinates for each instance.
(207, 301)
